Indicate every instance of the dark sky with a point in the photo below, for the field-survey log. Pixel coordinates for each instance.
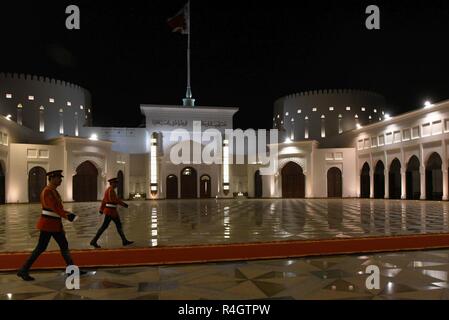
(244, 53)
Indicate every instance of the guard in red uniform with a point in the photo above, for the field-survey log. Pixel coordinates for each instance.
(50, 224)
(109, 209)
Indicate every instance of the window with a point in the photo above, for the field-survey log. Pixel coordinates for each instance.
(360, 145)
(331, 108)
(31, 98)
(373, 142)
(375, 110)
(299, 111)
(82, 108)
(415, 133)
(381, 140)
(69, 104)
(446, 125)
(8, 96)
(437, 127)
(51, 100)
(389, 138)
(286, 114)
(397, 136)
(314, 110)
(306, 127)
(4, 138)
(348, 108)
(406, 135)
(323, 126)
(426, 129)
(41, 119)
(363, 109)
(366, 143)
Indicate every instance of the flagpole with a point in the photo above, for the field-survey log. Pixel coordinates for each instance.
(188, 101)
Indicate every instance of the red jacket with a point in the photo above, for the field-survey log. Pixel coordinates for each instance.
(51, 202)
(110, 200)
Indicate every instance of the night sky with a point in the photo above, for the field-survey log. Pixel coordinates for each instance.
(245, 53)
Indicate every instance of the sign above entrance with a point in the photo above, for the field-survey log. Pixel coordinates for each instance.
(184, 123)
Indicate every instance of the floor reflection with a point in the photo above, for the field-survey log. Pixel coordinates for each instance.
(193, 222)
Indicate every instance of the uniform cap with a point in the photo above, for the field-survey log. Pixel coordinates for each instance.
(113, 180)
(56, 173)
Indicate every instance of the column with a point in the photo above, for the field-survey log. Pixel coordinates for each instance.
(445, 183)
(422, 174)
(403, 183)
(371, 183)
(387, 184)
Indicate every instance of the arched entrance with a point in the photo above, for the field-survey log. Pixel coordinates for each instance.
(394, 180)
(434, 178)
(171, 187)
(365, 189)
(334, 183)
(2, 185)
(120, 187)
(413, 179)
(293, 181)
(85, 183)
(189, 184)
(205, 186)
(37, 180)
(258, 186)
(379, 180)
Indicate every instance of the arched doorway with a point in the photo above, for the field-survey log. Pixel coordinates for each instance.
(205, 186)
(379, 180)
(413, 179)
(365, 189)
(120, 187)
(171, 187)
(85, 183)
(293, 181)
(394, 180)
(334, 183)
(434, 178)
(258, 186)
(37, 180)
(188, 184)
(2, 185)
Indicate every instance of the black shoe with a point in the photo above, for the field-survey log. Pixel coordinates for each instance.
(83, 272)
(127, 243)
(25, 276)
(95, 245)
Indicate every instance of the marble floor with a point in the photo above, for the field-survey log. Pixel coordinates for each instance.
(403, 275)
(190, 222)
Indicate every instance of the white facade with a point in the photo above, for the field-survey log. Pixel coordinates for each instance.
(402, 157)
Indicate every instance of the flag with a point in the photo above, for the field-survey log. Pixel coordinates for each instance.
(180, 21)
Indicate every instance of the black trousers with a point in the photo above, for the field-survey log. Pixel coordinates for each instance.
(106, 222)
(44, 240)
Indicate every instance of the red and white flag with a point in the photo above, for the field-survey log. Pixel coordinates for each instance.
(180, 21)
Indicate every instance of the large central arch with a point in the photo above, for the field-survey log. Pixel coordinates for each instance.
(434, 177)
(334, 183)
(189, 184)
(171, 184)
(85, 182)
(379, 180)
(293, 181)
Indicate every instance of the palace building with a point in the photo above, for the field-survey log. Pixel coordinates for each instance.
(332, 143)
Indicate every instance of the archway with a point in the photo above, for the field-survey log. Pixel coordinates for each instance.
(189, 184)
(434, 178)
(37, 180)
(85, 183)
(334, 183)
(205, 186)
(394, 180)
(171, 187)
(379, 180)
(120, 187)
(413, 179)
(258, 186)
(2, 185)
(365, 188)
(293, 181)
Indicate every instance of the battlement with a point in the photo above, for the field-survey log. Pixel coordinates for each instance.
(329, 92)
(40, 79)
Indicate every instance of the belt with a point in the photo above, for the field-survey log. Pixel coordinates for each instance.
(110, 205)
(50, 214)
